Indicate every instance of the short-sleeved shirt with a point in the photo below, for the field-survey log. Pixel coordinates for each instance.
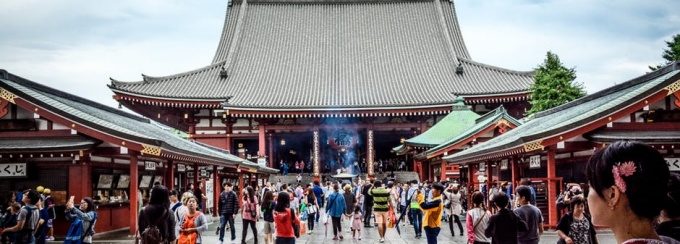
(35, 216)
(579, 231)
(381, 199)
(248, 207)
(533, 217)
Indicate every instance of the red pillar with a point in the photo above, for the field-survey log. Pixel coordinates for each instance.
(489, 176)
(170, 175)
(513, 172)
(217, 189)
(270, 156)
(261, 141)
(240, 185)
(196, 177)
(229, 142)
(552, 194)
(80, 178)
(134, 184)
(471, 183)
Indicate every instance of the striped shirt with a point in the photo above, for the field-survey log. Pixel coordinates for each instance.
(381, 199)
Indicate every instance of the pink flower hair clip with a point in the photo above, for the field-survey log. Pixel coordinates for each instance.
(623, 169)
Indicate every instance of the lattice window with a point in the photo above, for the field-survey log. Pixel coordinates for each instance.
(673, 87)
(151, 150)
(532, 146)
(5, 94)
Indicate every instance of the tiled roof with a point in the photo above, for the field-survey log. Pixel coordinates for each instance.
(488, 119)
(47, 144)
(576, 113)
(108, 120)
(658, 136)
(459, 120)
(324, 54)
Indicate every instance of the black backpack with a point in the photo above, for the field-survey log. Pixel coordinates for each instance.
(151, 234)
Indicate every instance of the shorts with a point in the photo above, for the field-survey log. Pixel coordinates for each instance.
(380, 217)
(269, 227)
(49, 223)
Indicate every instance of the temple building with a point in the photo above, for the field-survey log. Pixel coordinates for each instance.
(326, 82)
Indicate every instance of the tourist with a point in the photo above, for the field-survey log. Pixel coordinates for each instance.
(432, 213)
(350, 202)
(628, 185)
(402, 205)
(318, 192)
(284, 219)
(312, 209)
(357, 220)
(416, 213)
(530, 214)
(193, 223)
(250, 213)
(285, 169)
(302, 166)
(198, 193)
(381, 203)
(174, 200)
(477, 219)
(669, 219)
(299, 178)
(527, 182)
(84, 218)
(336, 208)
(455, 209)
(576, 226)
(297, 166)
(10, 220)
(179, 212)
(228, 208)
(157, 213)
(368, 203)
(28, 217)
(40, 232)
(51, 212)
(504, 225)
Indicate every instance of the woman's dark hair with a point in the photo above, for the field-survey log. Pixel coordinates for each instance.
(160, 197)
(576, 200)
(501, 200)
(644, 187)
(90, 204)
(251, 193)
(282, 202)
(11, 194)
(672, 203)
(478, 199)
(357, 209)
(268, 199)
(524, 191)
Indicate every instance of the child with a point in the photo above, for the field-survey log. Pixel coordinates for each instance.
(11, 220)
(357, 221)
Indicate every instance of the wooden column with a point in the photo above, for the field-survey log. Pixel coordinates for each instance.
(270, 155)
(369, 151)
(170, 175)
(196, 177)
(316, 154)
(80, 177)
(261, 140)
(240, 185)
(471, 182)
(134, 185)
(489, 178)
(552, 194)
(217, 189)
(513, 173)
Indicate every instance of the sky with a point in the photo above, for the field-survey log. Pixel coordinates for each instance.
(76, 45)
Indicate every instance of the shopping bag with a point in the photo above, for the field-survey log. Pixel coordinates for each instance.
(324, 218)
(303, 227)
(304, 216)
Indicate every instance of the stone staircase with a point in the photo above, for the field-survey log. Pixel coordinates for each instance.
(290, 179)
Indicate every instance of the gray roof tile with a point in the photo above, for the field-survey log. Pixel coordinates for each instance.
(347, 54)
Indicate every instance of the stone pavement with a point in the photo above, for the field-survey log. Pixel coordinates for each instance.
(369, 235)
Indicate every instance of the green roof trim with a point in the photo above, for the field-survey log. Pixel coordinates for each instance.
(576, 113)
(460, 119)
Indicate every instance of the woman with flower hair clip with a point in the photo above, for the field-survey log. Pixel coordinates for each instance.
(628, 181)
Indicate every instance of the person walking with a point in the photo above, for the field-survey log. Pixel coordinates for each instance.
(350, 202)
(250, 213)
(193, 224)
(504, 225)
(357, 220)
(336, 208)
(157, 213)
(433, 211)
(84, 217)
(368, 203)
(455, 208)
(312, 209)
(576, 226)
(416, 213)
(179, 211)
(228, 208)
(27, 220)
(267, 211)
(284, 219)
(381, 203)
(530, 214)
(477, 219)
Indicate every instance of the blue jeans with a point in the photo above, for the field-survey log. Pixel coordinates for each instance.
(224, 219)
(431, 234)
(417, 216)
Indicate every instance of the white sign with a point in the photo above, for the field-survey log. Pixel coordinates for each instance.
(204, 173)
(209, 192)
(482, 167)
(190, 174)
(369, 152)
(149, 165)
(535, 162)
(504, 164)
(316, 153)
(673, 164)
(13, 170)
(181, 168)
(262, 161)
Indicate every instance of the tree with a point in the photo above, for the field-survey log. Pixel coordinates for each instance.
(553, 85)
(670, 54)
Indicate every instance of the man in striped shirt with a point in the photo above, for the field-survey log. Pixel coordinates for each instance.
(381, 201)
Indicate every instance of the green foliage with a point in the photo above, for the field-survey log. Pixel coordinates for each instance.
(670, 54)
(553, 85)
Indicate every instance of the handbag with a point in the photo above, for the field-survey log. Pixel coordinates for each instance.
(252, 212)
(392, 216)
(304, 216)
(296, 228)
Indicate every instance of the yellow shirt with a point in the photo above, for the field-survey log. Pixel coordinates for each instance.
(432, 211)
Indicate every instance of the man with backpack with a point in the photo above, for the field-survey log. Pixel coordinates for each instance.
(27, 220)
(228, 208)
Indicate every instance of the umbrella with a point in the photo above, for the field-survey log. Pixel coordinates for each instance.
(403, 211)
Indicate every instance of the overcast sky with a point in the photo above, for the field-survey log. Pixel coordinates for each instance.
(76, 45)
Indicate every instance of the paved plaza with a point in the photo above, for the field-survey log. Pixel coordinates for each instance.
(369, 235)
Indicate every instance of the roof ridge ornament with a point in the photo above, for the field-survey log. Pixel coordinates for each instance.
(459, 69)
(224, 73)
